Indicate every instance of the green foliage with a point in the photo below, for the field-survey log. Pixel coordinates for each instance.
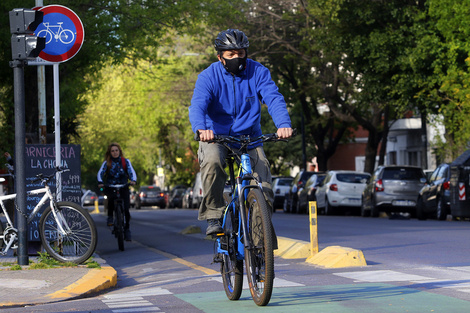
(142, 106)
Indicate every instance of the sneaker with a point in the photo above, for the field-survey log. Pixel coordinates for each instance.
(127, 235)
(110, 221)
(214, 226)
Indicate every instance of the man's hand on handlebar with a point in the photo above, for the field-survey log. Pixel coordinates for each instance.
(206, 135)
(132, 183)
(284, 133)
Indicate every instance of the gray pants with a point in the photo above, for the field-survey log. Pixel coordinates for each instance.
(212, 158)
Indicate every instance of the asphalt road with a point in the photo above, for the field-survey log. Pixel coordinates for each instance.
(412, 266)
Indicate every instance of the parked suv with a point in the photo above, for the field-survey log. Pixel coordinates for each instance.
(290, 202)
(150, 195)
(434, 197)
(393, 189)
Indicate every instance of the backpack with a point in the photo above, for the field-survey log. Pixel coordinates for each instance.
(124, 164)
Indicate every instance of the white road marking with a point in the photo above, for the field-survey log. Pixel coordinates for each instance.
(381, 276)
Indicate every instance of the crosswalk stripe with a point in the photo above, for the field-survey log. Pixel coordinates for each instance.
(150, 309)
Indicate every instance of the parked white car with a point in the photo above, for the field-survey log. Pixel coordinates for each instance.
(341, 189)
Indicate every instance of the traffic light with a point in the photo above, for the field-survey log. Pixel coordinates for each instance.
(24, 44)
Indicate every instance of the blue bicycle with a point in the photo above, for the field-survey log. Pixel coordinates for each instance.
(248, 233)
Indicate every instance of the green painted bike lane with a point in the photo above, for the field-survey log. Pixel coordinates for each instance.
(361, 298)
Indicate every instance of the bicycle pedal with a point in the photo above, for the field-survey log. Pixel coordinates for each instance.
(217, 258)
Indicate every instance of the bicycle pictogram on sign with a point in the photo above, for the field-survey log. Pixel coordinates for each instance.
(57, 32)
(63, 31)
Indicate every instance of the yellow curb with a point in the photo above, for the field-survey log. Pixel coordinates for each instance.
(336, 256)
(95, 280)
(292, 249)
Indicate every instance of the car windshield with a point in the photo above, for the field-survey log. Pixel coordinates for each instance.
(352, 178)
(284, 182)
(403, 173)
(150, 188)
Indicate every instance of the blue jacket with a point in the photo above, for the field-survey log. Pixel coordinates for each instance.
(116, 174)
(231, 105)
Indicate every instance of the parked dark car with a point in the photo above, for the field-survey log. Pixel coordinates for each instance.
(307, 193)
(393, 189)
(176, 197)
(434, 197)
(187, 202)
(299, 181)
(281, 186)
(151, 195)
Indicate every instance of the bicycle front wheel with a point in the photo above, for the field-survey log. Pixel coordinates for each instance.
(78, 242)
(231, 268)
(119, 226)
(259, 258)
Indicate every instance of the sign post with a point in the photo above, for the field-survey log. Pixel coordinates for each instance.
(64, 35)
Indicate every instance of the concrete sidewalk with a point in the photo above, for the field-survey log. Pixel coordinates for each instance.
(39, 286)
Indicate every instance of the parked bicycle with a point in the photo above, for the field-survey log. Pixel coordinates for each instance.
(67, 231)
(119, 214)
(248, 233)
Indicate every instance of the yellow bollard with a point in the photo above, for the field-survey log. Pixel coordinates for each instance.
(312, 207)
(97, 210)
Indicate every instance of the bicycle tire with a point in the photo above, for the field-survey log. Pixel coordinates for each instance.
(119, 225)
(1, 234)
(259, 260)
(231, 268)
(79, 244)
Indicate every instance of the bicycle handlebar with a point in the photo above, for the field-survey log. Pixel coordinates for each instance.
(117, 186)
(245, 139)
(43, 178)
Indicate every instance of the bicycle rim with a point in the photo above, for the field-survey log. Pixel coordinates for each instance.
(231, 268)
(78, 243)
(1, 234)
(259, 259)
(119, 227)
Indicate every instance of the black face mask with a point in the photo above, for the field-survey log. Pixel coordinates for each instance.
(236, 65)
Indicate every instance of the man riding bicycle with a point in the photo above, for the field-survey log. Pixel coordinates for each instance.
(227, 101)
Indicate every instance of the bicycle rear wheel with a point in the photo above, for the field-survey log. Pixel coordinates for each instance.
(259, 259)
(78, 242)
(119, 225)
(231, 268)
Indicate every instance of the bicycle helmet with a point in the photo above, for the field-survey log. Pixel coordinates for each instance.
(231, 39)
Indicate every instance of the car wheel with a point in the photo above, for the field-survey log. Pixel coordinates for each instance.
(441, 213)
(420, 214)
(286, 206)
(297, 207)
(328, 208)
(364, 211)
(374, 211)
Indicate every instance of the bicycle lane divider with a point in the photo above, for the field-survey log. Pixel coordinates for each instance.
(173, 257)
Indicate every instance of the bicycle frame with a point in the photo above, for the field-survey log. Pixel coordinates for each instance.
(47, 196)
(239, 194)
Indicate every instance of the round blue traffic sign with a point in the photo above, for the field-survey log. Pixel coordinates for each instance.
(63, 31)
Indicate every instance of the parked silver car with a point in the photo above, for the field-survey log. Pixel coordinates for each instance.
(393, 189)
(341, 189)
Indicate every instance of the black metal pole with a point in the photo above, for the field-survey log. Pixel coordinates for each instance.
(20, 176)
(304, 149)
